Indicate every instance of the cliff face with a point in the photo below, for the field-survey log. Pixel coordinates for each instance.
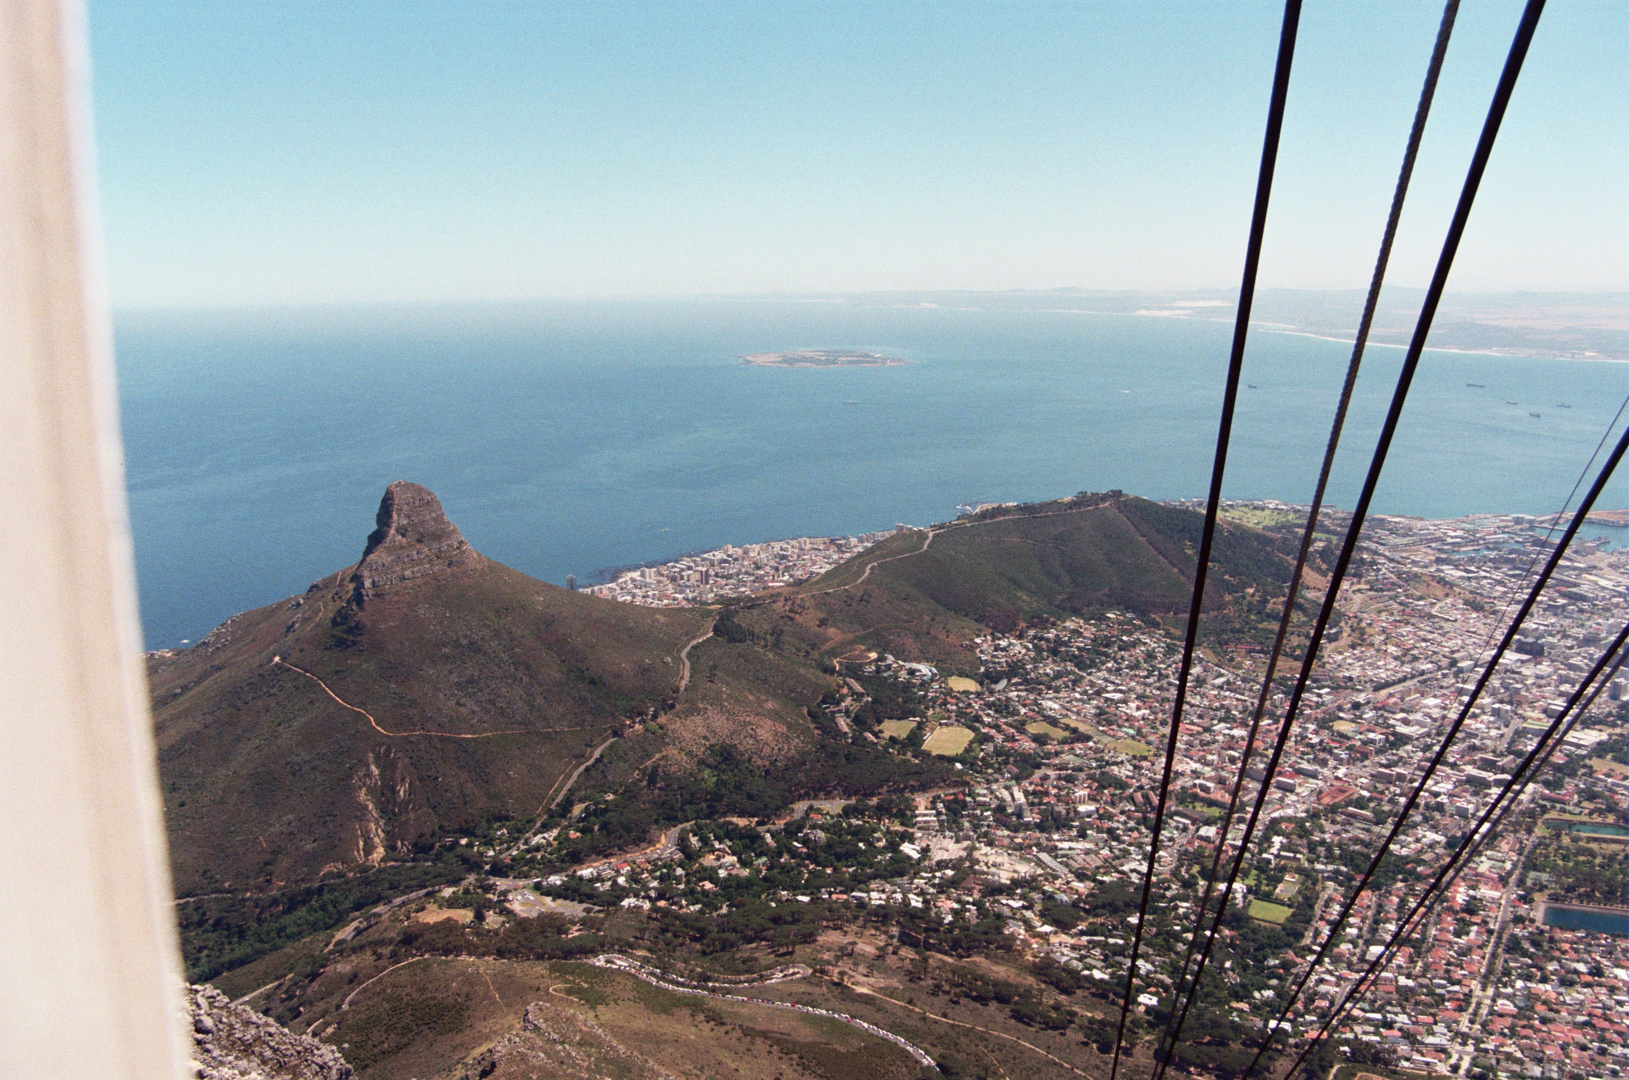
(231, 1042)
(413, 539)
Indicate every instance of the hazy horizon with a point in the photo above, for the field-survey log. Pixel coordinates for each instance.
(1219, 292)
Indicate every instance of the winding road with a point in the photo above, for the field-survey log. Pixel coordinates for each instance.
(629, 966)
(684, 653)
(874, 563)
(595, 756)
(571, 781)
(972, 1027)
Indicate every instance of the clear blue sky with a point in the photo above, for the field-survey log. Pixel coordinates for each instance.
(294, 152)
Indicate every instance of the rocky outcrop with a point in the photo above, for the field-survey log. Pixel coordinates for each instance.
(561, 1044)
(414, 539)
(231, 1042)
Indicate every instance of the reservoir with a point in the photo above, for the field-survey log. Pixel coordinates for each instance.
(1596, 828)
(1588, 828)
(1596, 920)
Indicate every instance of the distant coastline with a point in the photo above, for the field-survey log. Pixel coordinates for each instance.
(821, 358)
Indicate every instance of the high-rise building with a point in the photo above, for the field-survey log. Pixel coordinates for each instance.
(571, 582)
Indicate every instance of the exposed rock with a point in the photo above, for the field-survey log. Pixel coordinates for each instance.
(231, 1042)
(561, 1044)
(413, 539)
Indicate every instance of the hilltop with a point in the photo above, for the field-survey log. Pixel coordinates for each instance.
(428, 691)
(480, 690)
(922, 594)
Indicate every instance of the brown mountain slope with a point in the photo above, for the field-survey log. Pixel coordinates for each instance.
(393, 703)
(427, 689)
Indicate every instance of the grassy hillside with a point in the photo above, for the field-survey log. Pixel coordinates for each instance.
(921, 595)
(1058, 561)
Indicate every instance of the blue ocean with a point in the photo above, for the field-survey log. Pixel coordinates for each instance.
(572, 437)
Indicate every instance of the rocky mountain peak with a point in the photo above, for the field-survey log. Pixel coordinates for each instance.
(231, 1042)
(413, 539)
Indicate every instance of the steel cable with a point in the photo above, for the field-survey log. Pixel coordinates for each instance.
(1247, 291)
(1527, 572)
(1453, 730)
(1433, 297)
(1173, 1030)
(1610, 663)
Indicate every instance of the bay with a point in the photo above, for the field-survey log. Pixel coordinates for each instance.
(570, 437)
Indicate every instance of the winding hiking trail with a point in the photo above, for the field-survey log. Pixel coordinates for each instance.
(958, 1023)
(554, 797)
(674, 984)
(684, 680)
(278, 661)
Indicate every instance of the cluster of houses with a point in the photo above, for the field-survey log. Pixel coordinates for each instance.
(733, 571)
(1069, 722)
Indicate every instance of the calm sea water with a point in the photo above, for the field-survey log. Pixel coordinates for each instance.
(572, 437)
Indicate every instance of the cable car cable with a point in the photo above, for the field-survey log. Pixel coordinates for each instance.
(1610, 662)
(1517, 583)
(1174, 1023)
(1433, 298)
(1241, 327)
(1453, 730)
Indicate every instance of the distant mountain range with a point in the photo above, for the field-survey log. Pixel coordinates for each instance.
(1569, 325)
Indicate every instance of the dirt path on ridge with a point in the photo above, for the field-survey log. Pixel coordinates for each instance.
(278, 661)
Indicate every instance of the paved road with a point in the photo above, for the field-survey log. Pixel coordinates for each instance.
(873, 564)
(595, 756)
(684, 654)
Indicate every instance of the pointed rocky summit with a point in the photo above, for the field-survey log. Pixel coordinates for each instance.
(413, 539)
